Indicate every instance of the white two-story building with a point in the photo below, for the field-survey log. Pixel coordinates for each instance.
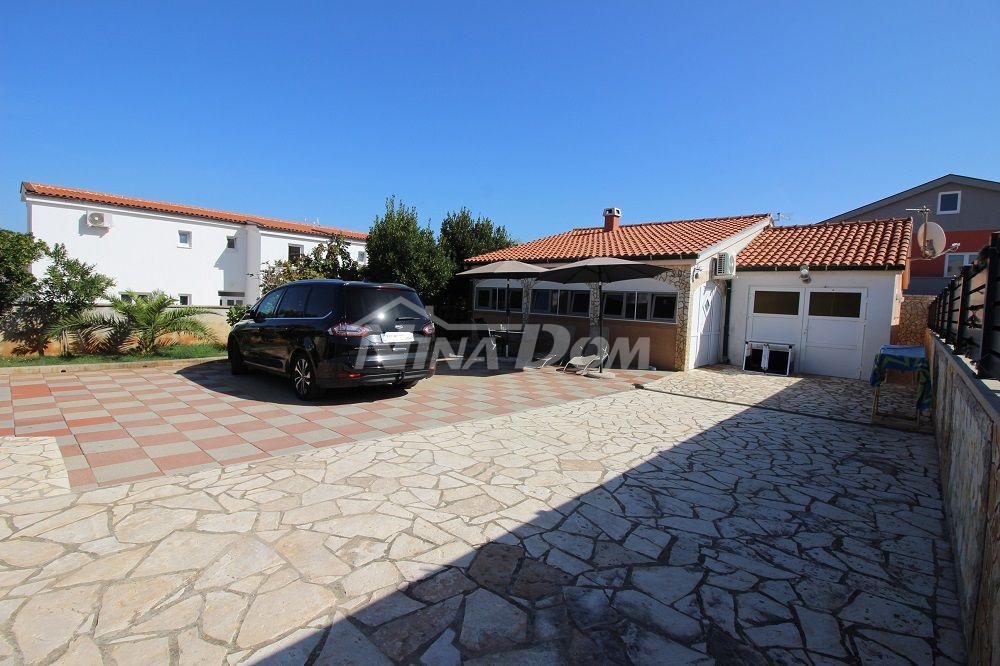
(198, 255)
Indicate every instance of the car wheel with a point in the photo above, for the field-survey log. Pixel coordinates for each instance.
(236, 364)
(304, 378)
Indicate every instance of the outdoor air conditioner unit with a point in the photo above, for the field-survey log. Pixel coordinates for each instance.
(725, 266)
(99, 220)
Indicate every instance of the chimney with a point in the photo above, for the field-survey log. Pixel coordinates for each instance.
(612, 218)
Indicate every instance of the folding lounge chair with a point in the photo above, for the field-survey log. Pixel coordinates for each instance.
(581, 364)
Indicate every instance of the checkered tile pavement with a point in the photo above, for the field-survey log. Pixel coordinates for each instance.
(123, 425)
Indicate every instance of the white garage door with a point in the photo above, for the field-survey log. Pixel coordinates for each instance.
(834, 332)
(827, 326)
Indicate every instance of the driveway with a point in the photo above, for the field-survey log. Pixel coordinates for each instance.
(634, 527)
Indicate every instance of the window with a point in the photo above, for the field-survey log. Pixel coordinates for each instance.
(486, 299)
(183, 239)
(835, 304)
(294, 252)
(293, 304)
(949, 203)
(322, 299)
(269, 304)
(614, 304)
(362, 257)
(495, 298)
(540, 300)
(139, 296)
(230, 242)
(664, 306)
(776, 302)
(954, 261)
(230, 301)
(184, 299)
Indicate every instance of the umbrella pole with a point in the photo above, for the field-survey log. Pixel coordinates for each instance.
(506, 335)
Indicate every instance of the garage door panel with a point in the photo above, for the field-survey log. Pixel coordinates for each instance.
(833, 342)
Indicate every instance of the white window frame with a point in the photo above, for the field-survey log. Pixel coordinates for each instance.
(969, 258)
(190, 239)
(182, 297)
(958, 203)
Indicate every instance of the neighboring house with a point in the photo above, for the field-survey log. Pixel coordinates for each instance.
(659, 309)
(833, 290)
(198, 255)
(968, 209)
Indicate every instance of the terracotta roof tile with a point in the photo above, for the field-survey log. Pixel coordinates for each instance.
(659, 240)
(868, 245)
(181, 209)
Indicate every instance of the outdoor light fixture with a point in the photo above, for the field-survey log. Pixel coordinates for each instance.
(804, 273)
(695, 273)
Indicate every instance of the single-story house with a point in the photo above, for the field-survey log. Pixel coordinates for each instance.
(831, 291)
(201, 256)
(680, 313)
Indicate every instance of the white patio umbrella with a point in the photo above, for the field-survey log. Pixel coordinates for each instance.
(504, 269)
(601, 270)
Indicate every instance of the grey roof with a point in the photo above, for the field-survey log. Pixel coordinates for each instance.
(930, 185)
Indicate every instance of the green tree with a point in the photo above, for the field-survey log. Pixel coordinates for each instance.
(400, 250)
(463, 237)
(68, 288)
(17, 252)
(327, 260)
(140, 324)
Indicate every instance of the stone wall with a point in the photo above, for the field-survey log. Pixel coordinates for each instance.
(912, 320)
(967, 428)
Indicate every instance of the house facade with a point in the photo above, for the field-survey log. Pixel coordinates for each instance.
(831, 292)
(680, 313)
(201, 256)
(968, 209)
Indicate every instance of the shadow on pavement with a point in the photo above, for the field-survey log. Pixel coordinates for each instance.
(743, 537)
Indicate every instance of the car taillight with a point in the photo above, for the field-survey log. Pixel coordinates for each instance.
(428, 328)
(346, 330)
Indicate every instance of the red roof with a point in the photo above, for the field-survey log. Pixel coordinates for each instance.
(181, 209)
(681, 239)
(871, 245)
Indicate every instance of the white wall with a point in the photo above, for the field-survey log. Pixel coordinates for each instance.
(141, 252)
(882, 304)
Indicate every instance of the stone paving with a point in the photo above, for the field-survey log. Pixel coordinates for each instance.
(638, 527)
(114, 426)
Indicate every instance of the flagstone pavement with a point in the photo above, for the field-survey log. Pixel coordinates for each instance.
(639, 526)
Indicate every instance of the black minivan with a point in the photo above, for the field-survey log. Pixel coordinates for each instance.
(331, 333)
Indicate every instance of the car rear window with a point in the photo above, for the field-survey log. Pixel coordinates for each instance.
(294, 302)
(383, 306)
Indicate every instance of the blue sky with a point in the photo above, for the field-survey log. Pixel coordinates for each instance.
(537, 115)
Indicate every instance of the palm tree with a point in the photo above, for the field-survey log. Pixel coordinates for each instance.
(139, 324)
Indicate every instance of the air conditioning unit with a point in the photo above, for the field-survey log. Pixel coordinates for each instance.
(99, 220)
(725, 266)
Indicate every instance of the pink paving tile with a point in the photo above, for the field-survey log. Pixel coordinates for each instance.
(161, 438)
(333, 441)
(117, 411)
(247, 426)
(39, 420)
(115, 457)
(81, 477)
(220, 442)
(243, 459)
(68, 450)
(353, 429)
(93, 420)
(278, 443)
(297, 428)
(53, 432)
(182, 460)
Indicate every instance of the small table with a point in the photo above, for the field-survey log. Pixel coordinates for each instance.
(907, 358)
(506, 337)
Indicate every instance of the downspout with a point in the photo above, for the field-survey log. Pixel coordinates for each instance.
(725, 325)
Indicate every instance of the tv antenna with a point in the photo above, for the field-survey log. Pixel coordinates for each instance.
(930, 236)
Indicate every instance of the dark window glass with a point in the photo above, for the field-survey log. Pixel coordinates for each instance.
(384, 308)
(614, 304)
(231, 243)
(835, 304)
(630, 305)
(564, 297)
(294, 302)
(776, 302)
(269, 303)
(294, 251)
(484, 299)
(642, 306)
(322, 299)
(184, 299)
(581, 303)
(664, 307)
(516, 298)
(948, 202)
(501, 299)
(540, 300)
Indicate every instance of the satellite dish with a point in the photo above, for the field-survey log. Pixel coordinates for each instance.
(931, 240)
